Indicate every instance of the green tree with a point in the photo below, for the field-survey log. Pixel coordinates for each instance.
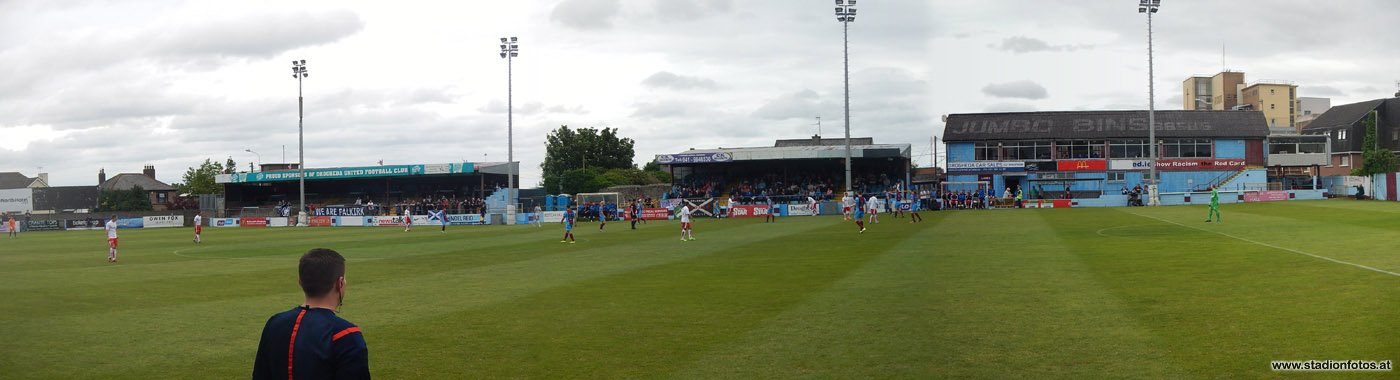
(200, 180)
(568, 149)
(134, 199)
(579, 181)
(230, 166)
(654, 169)
(1374, 159)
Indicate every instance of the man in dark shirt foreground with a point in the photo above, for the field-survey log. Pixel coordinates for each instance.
(310, 341)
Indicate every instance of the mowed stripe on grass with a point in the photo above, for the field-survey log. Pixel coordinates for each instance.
(1080, 293)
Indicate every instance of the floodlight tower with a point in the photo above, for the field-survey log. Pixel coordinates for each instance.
(509, 50)
(255, 154)
(299, 72)
(1149, 7)
(846, 14)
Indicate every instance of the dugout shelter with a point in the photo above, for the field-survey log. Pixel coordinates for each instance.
(788, 171)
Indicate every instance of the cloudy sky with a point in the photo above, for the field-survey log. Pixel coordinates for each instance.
(117, 84)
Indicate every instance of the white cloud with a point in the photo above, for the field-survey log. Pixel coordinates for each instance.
(1022, 89)
(586, 14)
(666, 79)
(1022, 45)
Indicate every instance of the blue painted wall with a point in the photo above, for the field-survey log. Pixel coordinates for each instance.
(961, 152)
(1229, 148)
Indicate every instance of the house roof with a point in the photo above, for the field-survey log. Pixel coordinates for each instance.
(724, 155)
(1342, 116)
(14, 180)
(1065, 125)
(126, 181)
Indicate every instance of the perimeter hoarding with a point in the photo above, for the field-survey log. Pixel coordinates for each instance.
(43, 225)
(168, 221)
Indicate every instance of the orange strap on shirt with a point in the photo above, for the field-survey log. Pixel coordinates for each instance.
(292, 347)
(345, 332)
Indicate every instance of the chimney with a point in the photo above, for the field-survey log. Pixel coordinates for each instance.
(101, 176)
(149, 171)
(45, 178)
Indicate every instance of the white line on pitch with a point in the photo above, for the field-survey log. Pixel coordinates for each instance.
(1275, 246)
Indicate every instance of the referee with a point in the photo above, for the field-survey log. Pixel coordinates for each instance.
(310, 341)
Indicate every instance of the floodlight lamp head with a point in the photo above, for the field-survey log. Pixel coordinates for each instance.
(850, 18)
(840, 2)
(851, 3)
(303, 62)
(294, 62)
(1142, 10)
(512, 39)
(514, 54)
(850, 11)
(503, 39)
(503, 47)
(503, 54)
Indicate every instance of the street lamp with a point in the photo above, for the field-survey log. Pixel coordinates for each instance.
(846, 14)
(299, 72)
(509, 50)
(1149, 7)
(259, 156)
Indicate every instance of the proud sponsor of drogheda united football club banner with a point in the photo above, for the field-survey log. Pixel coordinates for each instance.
(350, 172)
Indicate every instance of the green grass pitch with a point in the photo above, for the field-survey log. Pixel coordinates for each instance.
(1035, 294)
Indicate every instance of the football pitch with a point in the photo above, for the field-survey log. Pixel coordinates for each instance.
(1068, 293)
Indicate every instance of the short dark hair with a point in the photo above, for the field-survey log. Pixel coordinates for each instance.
(318, 270)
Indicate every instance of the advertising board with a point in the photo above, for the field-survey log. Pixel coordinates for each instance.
(655, 213)
(131, 223)
(465, 219)
(323, 221)
(223, 222)
(748, 211)
(346, 221)
(253, 222)
(277, 222)
(17, 200)
(42, 225)
(1266, 196)
(164, 221)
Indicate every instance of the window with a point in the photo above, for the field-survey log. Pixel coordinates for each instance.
(1115, 177)
(1341, 134)
(1271, 106)
(985, 152)
(1136, 148)
(1395, 135)
(1346, 160)
(1307, 112)
(1027, 150)
(1187, 148)
(1271, 91)
(1286, 145)
(1079, 149)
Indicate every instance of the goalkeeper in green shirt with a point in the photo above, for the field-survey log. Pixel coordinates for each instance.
(1214, 205)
